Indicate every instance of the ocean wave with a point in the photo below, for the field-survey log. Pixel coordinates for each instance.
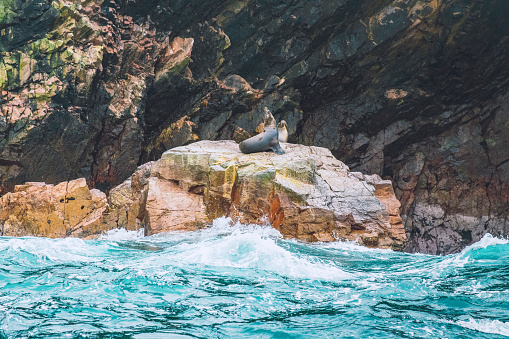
(234, 280)
(487, 249)
(121, 234)
(246, 246)
(486, 241)
(486, 326)
(59, 250)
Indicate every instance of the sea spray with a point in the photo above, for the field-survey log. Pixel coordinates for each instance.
(234, 280)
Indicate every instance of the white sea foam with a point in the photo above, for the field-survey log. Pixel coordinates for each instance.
(64, 249)
(352, 246)
(486, 241)
(345, 244)
(225, 226)
(121, 234)
(226, 244)
(486, 326)
(468, 254)
(450, 262)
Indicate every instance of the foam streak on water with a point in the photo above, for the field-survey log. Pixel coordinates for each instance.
(235, 281)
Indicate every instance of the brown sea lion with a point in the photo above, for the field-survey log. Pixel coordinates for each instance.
(282, 134)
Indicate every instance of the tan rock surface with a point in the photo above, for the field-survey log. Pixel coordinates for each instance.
(67, 209)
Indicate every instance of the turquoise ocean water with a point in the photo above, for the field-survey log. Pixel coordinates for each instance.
(237, 281)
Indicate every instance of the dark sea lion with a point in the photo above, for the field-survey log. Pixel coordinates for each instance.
(269, 120)
(282, 134)
(267, 140)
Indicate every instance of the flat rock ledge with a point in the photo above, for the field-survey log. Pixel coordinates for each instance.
(305, 194)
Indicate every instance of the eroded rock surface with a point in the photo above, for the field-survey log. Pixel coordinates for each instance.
(306, 194)
(56, 211)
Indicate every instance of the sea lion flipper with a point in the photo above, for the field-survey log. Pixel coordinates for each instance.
(277, 149)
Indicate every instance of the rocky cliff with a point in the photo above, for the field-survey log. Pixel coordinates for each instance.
(415, 91)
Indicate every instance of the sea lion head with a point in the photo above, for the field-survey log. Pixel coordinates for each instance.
(269, 120)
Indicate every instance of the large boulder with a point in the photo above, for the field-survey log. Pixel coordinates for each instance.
(67, 209)
(306, 194)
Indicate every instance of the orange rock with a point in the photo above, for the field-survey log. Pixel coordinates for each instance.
(67, 209)
(170, 208)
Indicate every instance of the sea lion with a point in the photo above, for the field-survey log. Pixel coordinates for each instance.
(268, 120)
(282, 132)
(267, 140)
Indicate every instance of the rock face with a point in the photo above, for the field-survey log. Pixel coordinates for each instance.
(416, 91)
(306, 194)
(67, 209)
